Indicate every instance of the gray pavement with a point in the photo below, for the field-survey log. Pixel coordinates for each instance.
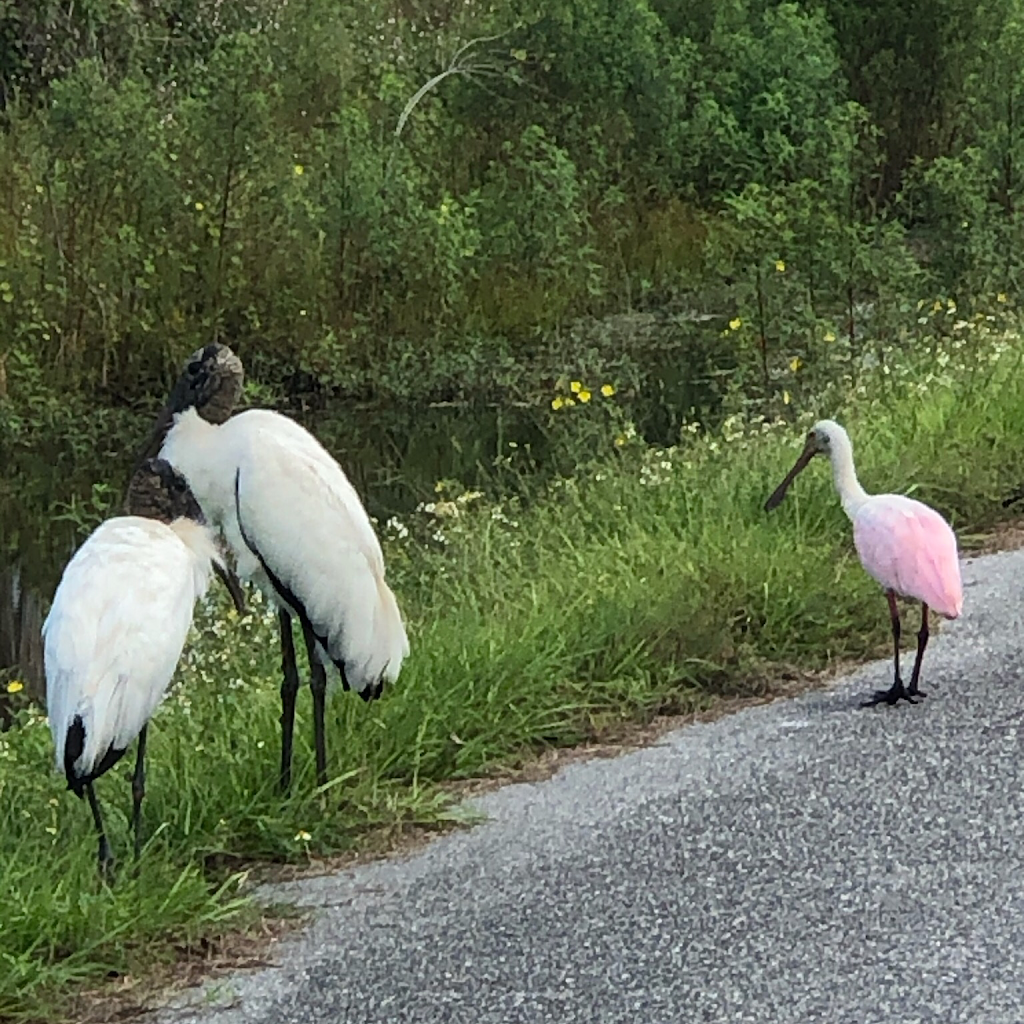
(798, 862)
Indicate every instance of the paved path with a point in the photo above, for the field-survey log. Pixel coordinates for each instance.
(799, 862)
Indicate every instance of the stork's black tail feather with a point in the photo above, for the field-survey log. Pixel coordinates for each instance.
(74, 744)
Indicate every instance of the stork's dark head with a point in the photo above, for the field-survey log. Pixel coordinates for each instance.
(210, 382)
(158, 491)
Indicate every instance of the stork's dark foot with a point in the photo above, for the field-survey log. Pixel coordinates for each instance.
(893, 695)
(913, 691)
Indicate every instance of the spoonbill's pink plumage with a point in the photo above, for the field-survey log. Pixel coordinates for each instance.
(910, 549)
(902, 543)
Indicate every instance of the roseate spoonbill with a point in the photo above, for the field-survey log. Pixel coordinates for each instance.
(116, 629)
(296, 528)
(902, 543)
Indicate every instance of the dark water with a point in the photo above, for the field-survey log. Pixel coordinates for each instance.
(54, 492)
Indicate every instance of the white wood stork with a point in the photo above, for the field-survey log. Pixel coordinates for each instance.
(296, 528)
(116, 629)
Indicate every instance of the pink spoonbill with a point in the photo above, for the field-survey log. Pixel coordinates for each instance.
(902, 543)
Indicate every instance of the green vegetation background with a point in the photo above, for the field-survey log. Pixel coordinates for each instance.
(186, 170)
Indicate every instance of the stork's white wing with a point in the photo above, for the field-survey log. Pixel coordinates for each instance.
(115, 632)
(303, 520)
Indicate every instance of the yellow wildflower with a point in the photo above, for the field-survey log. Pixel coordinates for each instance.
(785, 398)
(607, 390)
(575, 387)
(200, 206)
(15, 686)
(1001, 297)
(795, 363)
(780, 265)
(620, 441)
(829, 336)
(735, 324)
(570, 401)
(299, 170)
(584, 395)
(557, 403)
(302, 836)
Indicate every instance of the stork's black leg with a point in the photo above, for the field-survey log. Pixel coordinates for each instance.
(318, 687)
(289, 689)
(897, 691)
(106, 861)
(922, 643)
(139, 790)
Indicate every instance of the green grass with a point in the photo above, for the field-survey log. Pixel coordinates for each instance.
(648, 582)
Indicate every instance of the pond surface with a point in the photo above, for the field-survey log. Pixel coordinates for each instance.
(52, 494)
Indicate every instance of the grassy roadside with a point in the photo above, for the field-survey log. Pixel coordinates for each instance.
(646, 583)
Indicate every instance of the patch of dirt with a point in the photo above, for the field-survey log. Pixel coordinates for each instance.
(127, 997)
(1004, 537)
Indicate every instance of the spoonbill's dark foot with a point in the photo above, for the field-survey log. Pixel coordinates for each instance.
(893, 695)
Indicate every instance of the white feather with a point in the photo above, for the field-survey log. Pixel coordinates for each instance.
(301, 514)
(116, 629)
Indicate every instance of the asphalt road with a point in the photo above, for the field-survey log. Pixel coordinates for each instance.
(798, 862)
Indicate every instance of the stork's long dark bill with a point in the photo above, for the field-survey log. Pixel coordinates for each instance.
(780, 492)
(156, 439)
(230, 580)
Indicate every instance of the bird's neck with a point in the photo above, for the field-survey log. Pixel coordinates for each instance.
(851, 494)
(191, 446)
(203, 548)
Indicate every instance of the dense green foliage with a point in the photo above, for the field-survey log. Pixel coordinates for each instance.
(185, 170)
(647, 582)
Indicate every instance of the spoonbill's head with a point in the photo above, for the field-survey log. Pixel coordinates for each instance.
(158, 491)
(210, 382)
(824, 438)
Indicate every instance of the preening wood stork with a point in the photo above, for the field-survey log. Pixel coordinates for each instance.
(296, 528)
(904, 544)
(116, 630)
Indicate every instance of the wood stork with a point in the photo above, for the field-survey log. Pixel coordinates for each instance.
(116, 629)
(903, 544)
(296, 528)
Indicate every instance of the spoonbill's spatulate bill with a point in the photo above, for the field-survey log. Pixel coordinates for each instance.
(905, 545)
(116, 630)
(296, 528)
